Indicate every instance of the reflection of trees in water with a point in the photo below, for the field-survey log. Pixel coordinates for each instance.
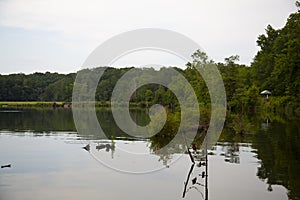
(41, 120)
(177, 146)
(197, 178)
(197, 175)
(38, 120)
(278, 146)
(279, 152)
(231, 152)
(165, 154)
(243, 124)
(276, 140)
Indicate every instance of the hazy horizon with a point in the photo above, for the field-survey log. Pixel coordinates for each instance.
(57, 36)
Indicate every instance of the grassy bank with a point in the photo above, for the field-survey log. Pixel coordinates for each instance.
(4, 104)
(44, 104)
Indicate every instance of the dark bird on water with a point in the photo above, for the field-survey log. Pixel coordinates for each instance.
(194, 180)
(106, 146)
(100, 146)
(87, 147)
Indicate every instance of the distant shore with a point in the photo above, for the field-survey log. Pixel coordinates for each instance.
(4, 104)
(57, 104)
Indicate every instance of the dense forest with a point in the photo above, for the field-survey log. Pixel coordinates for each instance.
(275, 67)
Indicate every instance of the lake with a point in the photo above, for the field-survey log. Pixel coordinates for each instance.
(48, 160)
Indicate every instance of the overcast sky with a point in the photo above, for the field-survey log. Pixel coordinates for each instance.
(58, 35)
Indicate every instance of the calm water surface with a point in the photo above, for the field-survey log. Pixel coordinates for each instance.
(48, 161)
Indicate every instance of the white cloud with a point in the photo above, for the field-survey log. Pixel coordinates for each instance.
(221, 27)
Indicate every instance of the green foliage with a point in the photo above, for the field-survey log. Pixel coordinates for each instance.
(276, 65)
(21, 87)
(60, 90)
(168, 131)
(275, 68)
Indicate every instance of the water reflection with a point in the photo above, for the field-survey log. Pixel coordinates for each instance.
(199, 181)
(37, 120)
(270, 144)
(230, 152)
(278, 148)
